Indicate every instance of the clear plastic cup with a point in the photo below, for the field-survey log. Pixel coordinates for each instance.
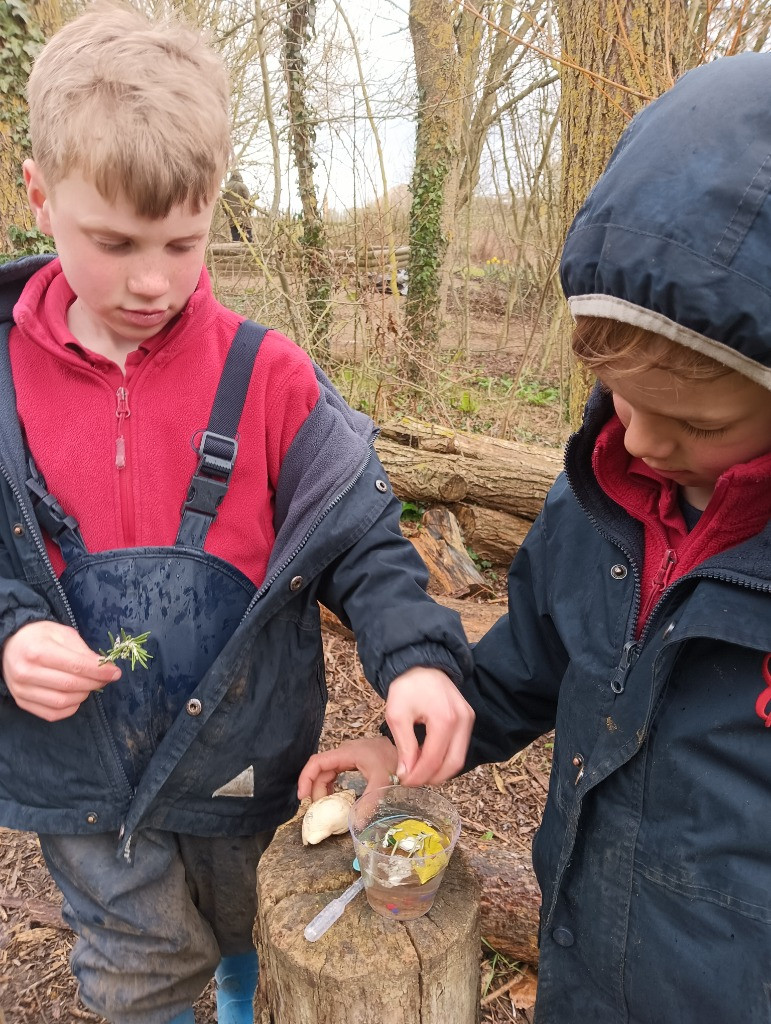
(403, 839)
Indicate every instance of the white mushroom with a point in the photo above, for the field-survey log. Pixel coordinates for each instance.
(327, 817)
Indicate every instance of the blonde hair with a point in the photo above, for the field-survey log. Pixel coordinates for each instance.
(600, 342)
(138, 107)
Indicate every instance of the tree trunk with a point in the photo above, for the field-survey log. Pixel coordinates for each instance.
(618, 55)
(302, 132)
(435, 177)
(24, 27)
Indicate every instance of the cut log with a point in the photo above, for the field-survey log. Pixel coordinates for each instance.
(429, 464)
(365, 969)
(477, 617)
(510, 900)
(440, 544)
(493, 535)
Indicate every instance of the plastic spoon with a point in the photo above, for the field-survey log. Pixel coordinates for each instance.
(333, 910)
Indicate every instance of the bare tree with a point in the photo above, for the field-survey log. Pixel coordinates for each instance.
(302, 132)
(435, 177)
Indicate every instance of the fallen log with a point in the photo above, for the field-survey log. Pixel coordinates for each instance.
(433, 464)
(477, 616)
(491, 534)
(509, 900)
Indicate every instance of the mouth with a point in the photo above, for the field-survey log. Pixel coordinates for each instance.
(143, 317)
(672, 474)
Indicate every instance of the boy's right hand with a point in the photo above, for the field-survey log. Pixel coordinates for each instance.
(50, 671)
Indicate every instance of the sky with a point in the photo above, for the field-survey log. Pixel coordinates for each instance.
(348, 170)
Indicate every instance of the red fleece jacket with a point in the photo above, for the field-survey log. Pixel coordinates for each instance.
(739, 508)
(68, 404)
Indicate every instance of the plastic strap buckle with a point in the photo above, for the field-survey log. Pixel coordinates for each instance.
(216, 458)
(48, 512)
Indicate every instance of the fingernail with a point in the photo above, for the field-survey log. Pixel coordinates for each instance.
(401, 769)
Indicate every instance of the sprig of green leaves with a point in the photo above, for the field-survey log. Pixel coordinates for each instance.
(127, 647)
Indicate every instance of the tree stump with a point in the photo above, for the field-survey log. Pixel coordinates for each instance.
(365, 969)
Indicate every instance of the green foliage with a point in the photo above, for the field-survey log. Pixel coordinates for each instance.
(127, 648)
(27, 242)
(479, 562)
(428, 246)
(535, 392)
(468, 403)
(20, 42)
(412, 511)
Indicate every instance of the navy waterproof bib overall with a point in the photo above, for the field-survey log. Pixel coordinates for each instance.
(188, 600)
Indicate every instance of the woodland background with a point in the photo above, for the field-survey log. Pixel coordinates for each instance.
(516, 108)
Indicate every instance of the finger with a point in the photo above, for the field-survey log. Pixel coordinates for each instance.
(54, 682)
(79, 661)
(429, 760)
(455, 756)
(330, 763)
(51, 705)
(323, 785)
(377, 778)
(406, 744)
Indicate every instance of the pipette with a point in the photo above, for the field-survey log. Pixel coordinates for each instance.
(327, 917)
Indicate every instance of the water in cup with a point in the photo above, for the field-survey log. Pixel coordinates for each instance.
(403, 838)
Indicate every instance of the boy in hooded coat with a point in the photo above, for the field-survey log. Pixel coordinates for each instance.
(639, 612)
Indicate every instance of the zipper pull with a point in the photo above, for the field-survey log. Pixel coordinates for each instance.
(661, 579)
(122, 412)
(628, 658)
(660, 582)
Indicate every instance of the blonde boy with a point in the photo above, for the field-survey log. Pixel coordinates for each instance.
(169, 468)
(639, 617)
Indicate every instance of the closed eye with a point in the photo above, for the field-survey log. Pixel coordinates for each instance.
(702, 431)
(111, 246)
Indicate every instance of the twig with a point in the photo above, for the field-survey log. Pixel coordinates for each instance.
(510, 984)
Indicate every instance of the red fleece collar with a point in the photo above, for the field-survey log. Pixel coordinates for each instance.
(739, 509)
(41, 311)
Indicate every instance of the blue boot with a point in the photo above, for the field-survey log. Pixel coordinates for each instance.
(236, 979)
(186, 1017)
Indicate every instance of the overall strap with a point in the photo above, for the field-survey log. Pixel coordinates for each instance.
(53, 520)
(218, 446)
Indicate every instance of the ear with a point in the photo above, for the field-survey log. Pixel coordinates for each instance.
(37, 194)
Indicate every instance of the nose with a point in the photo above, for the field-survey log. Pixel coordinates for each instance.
(648, 438)
(148, 279)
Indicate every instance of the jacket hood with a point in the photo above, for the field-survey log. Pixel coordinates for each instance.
(675, 237)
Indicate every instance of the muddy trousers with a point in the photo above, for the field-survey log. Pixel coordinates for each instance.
(151, 934)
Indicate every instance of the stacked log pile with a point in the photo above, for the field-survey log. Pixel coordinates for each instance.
(495, 488)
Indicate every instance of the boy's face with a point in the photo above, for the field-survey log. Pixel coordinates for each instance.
(131, 274)
(691, 432)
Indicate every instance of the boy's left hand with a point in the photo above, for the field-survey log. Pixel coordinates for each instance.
(428, 696)
(374, 756)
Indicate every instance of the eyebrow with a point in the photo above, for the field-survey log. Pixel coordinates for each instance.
(96, 229)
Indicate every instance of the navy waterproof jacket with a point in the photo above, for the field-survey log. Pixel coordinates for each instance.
(257, 713)
(654, 853)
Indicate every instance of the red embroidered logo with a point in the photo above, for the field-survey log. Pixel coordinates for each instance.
(763, 701)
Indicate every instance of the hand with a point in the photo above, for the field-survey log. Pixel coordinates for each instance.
(429, 696)
(50, 671)
(374, 756)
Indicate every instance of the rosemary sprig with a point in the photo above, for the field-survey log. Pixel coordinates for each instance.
(127, 647)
